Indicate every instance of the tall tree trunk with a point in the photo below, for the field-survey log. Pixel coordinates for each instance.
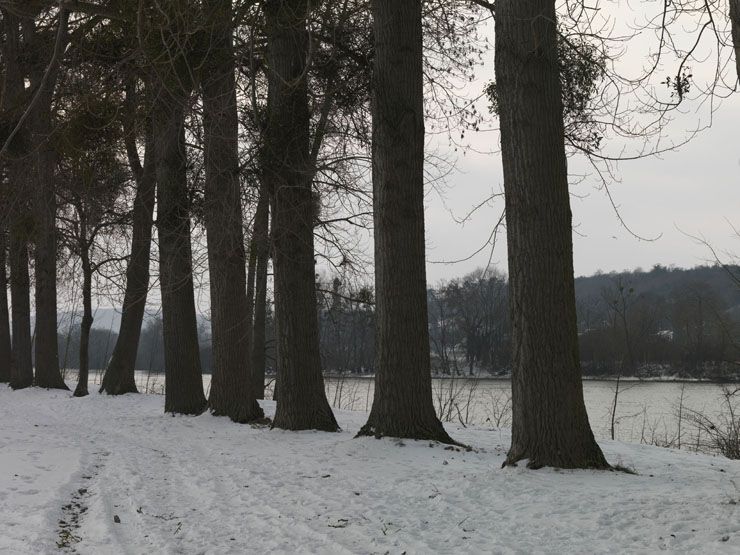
(402, 406)
(261, 247)
(5, 346)
(183, 377)
(45, 267)
(43, 81)
(13, 102)
(302, 400)
(21, 374)
(251, 277)
(735, 22)
(87, 316)
(10, 100)
(550, 426)
(166, 34)
(231, 387)
(119, 377)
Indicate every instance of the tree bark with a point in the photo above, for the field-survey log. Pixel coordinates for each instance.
(402, 405)
(21, 372)
(302, 400)
(261, 246)
(5, 346)
(550, 426)
(87, 316)
(10, 100)
(46, 349)
(251, 278)
(231, 391)
(166, 38)
(13, 101)
(43, 79)
(183, 377)
(119, 377)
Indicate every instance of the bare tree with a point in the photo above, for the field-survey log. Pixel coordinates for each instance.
(302, 402)
(550, 426)
(620, 299)
(119, 375)
(403, 405)
(231, 392)
(43, 77)
(34, 56)
(12, 91)
(5, 346)
(91, 182)
(167, 40)
(21, 374)
(21, 365)
(260, 250)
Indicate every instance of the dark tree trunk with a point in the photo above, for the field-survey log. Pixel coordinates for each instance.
(5, 346)
(168, 45)
(21, 372)
(251, 278)
(183, 377)
(13, 102)
(120, 373)
(735, 22)
(550, 426)
(10, 101)
(231, 387)
(402, 406)
(302, 400)
(43, 162)
(87, 316)
(45, 268)
(261, 246)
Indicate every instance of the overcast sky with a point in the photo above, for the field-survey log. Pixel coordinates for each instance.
(694, 190)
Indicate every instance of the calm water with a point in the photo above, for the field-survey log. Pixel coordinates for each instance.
(646, 412)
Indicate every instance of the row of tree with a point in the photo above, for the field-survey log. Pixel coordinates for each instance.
(199, 115)
(255, 122)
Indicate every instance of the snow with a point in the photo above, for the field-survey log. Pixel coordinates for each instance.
(206, 485)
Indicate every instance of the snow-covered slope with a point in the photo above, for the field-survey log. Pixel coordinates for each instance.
(115, 475)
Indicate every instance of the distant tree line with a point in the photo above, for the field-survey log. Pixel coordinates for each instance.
(663, 322)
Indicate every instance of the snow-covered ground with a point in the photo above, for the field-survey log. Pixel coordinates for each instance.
(115, 475)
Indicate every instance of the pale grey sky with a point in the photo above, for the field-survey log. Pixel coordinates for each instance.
(695, 190)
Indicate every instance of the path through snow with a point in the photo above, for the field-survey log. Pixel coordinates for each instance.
(206, 485)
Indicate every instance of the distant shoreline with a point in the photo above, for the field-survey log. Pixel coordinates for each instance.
(506, 378)
(666, 379)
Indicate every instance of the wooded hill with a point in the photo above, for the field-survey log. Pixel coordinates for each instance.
(663, 322)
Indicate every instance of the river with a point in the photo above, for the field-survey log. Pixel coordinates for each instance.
(655, 412)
